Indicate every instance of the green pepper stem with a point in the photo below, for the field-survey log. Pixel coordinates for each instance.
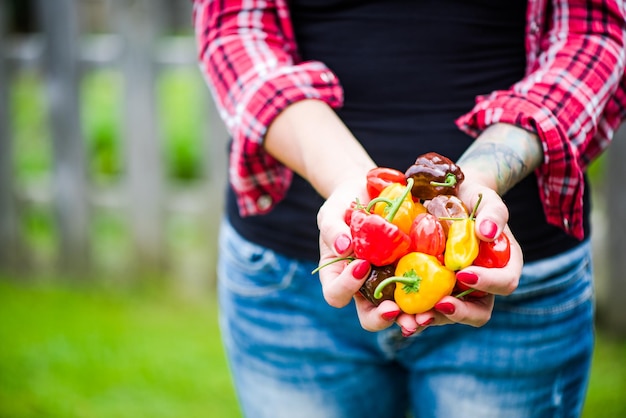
(378, 199)
(332, 262)
(473, 214)
(409, 281)
(449, 181)
(395, 204)
(464, 293)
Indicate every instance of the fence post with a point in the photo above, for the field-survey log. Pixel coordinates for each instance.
(615, 319)
(61, 69)
(137, 25)
(8, 214)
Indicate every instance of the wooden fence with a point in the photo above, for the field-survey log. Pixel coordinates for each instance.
(139, 45)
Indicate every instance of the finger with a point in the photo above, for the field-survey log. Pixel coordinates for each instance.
(334, 231)
(425, 319)
(340, 281)
(491, 214)
(498, 281)
(375, 318)
(408, 324)
(474, 312)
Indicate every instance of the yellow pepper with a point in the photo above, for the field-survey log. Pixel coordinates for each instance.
(462, 243)
(421, 281)
(408, 209)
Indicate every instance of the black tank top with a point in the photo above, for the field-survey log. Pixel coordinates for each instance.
(408, 70)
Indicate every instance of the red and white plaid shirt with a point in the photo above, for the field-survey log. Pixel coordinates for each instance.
(573, 95)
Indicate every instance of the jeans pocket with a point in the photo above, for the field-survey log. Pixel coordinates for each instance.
(553, 286)
(249, 269)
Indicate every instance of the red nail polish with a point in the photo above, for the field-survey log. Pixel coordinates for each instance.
(488, 228)
(427, 322)
(407, 332)
(342, 243)
(361, 270)
(467, 277)
(391, 315)
(445, 308)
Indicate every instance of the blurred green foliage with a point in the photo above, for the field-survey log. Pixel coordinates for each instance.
(180, 95)
(101, 95)
(32, 146)
(180, 106)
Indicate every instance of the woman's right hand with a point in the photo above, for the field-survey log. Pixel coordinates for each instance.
(341, 281)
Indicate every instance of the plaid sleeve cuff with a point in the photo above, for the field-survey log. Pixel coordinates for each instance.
(560, 177)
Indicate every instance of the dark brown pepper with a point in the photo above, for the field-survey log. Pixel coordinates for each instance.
(377, 275)
(433, 175)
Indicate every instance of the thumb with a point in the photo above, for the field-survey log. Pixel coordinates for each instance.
(491, 213)
(333, 217)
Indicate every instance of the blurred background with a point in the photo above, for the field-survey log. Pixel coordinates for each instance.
(112, 164)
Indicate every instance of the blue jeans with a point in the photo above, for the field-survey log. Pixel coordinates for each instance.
(292, 355)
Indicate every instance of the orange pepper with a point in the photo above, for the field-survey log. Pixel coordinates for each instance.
(408, 209)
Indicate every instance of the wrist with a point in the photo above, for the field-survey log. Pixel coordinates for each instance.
(502, 156)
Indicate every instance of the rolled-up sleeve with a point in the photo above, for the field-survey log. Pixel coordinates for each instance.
(572, 97)
(248, 56)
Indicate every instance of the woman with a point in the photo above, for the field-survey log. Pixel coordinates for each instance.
(522, 95)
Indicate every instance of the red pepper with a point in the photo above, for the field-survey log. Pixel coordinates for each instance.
(427, 235)
(380, 177)
(377, 239)
(494, 254)
(354, 206)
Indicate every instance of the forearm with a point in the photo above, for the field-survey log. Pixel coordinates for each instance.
(309, 138)
(501, 156)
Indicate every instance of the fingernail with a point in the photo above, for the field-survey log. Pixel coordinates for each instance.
(361, 270)
(342, 243)
(391, 315)
(488, 228)
(445, 308)
(407, 332)
(427, 322)
(467, 277)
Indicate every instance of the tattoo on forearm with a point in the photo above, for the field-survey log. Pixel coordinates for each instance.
(508, 166)
(510, 155)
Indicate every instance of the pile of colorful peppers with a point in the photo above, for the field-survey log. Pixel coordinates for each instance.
(416, 233)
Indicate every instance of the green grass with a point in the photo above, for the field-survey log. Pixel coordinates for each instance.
(72, 350)
(607, 391)
(79, 351)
